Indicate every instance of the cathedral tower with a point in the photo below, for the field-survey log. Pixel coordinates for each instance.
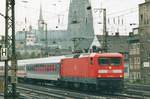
(80, 24)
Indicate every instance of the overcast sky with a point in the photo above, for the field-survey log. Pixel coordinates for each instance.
(54, 9)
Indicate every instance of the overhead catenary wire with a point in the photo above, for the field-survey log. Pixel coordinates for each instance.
(118, 17)
(123, 11)
(45, 11)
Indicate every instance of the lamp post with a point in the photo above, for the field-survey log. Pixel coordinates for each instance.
(105, 33)
(46, 40)
(25, 28)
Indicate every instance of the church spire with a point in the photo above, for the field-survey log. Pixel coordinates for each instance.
(41, 15)
(41, 20)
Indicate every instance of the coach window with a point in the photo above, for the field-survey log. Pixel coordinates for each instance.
(32, 66)
(35, 67)
(45, 67)
(38, 67)
(29, 68)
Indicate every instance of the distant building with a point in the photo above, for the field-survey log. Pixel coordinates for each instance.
(147, 0)
(79, 34)
(134, 56)
(116, 43)
(30, 39)
(144, 32)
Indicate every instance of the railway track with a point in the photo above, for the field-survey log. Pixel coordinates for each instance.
(51, 92)
(138, 87)
(138, 90)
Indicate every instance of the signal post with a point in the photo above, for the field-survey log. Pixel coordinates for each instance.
(11, 51)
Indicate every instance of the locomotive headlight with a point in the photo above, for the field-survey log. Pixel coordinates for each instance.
(103, 71)
(110, 67)
(117, 71)
(121, 76)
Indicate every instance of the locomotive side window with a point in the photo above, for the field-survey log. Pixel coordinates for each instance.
(91, 60)
(114, 61)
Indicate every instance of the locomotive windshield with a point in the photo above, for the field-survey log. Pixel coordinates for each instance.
(113, 61)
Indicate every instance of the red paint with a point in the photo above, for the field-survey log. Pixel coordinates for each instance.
(84, 68)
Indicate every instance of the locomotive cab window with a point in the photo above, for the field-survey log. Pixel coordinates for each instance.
(114, 61)
(103, 61)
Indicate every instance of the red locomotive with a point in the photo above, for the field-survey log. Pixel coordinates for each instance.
(99, 70)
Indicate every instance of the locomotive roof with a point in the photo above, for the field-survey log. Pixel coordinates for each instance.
(53, 59)
(96, 55)
(105, 54)
(111, 55)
